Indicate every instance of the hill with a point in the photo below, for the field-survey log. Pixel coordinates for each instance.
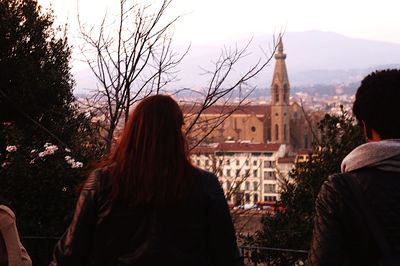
(313, 57)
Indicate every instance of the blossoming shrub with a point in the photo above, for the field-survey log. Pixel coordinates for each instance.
(39, 180)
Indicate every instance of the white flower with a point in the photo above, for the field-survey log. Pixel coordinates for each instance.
(77, 165)
(5, 164)
(34, 151)
(51, 149)
(71, 161)
(67, 150)
(32, 161)
(11, 148)
(47, 144)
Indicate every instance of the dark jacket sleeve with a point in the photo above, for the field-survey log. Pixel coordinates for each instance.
(327, 246)
(75, 244)
(221, 239)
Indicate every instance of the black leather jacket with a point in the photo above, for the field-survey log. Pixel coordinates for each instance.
(341, 235)
(198, 232)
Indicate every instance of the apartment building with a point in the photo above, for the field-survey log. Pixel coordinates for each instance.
(249, 173)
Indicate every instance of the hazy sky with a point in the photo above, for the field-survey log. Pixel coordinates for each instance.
(210, 21)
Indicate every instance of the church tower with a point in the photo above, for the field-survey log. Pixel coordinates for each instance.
(280, 91)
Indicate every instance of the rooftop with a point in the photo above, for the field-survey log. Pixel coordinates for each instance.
(237, 147)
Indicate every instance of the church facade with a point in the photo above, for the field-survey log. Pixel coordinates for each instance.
(280, 122)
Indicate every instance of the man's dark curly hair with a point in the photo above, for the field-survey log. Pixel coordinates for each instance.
(377, 103)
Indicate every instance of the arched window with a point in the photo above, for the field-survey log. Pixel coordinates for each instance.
(284, 133)
(276, 93)
(285, 93)
(276, 132)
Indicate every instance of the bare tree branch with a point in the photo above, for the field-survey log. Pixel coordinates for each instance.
(131, 57)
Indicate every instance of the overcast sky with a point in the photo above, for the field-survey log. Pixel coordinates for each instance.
(211, 21)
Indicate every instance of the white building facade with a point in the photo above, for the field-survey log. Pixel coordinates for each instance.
(249, 173)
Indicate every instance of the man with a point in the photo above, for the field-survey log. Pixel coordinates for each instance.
(343, 234)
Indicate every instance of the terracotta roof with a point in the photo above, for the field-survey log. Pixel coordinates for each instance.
(251, 147)
(218, 109)
(236, 147)
(203, 150)
(287, 160)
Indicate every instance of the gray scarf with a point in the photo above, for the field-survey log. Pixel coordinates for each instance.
(384, 155)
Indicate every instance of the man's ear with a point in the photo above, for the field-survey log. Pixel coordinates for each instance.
(369, 133)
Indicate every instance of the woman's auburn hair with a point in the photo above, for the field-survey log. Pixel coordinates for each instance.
(150, 164)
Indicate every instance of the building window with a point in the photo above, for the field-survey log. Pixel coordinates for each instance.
(270, 198)
(276, 94)
(237, 162)
(255, 163)
(228, 185)
(247, 198)
(247, 162)
(284, 132)
(269, 164)
(247, 185)
(228, 162)
(253, 129)
(286, 93)
(272, 176)
(269, 175)
(228, 172)
(247, 173)
(255, 197)
(237, 173)
(276, 132)
(255, 186)
(269, 188)
(255, 173)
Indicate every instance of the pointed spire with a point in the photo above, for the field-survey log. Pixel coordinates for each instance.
(280, 76)
(280, 54)
(280, 45)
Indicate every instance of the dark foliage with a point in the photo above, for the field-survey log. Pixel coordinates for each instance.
(291, 225)
(37, 107)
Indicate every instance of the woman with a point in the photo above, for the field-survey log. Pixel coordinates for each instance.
(12, 253)
(147, 205)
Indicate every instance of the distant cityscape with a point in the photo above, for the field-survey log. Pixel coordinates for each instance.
(254, 149)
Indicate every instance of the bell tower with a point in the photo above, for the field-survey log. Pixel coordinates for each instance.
(280, 92)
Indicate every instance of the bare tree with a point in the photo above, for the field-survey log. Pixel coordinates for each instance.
(130, 55)
(225, 89)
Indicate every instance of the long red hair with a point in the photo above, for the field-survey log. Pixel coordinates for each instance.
(150, 163)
